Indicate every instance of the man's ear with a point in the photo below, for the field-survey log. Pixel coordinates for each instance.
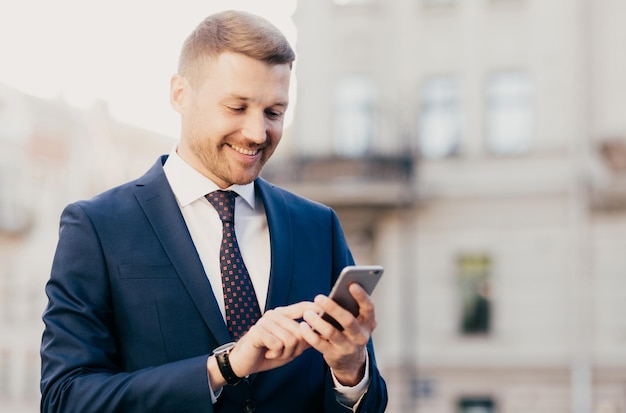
(179, 89)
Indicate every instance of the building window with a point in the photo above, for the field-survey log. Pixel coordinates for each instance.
(354, 115)
(440, 117)
(509, 113)
(16, 215)
(476, 405)
(31, 376)
(474, 291)
(5, 376)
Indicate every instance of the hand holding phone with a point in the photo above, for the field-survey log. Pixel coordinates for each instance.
(366, 276)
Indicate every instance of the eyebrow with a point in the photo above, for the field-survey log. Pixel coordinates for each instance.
(246, 99)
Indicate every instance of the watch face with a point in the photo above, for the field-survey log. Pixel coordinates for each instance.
(224, 348)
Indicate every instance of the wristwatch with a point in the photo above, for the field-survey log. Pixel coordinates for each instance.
(221, 356)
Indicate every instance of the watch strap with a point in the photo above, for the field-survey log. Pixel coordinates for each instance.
(225, 368)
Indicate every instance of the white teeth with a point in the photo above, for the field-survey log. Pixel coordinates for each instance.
(244, 151)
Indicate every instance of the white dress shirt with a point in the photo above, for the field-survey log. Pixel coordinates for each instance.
(205, 227)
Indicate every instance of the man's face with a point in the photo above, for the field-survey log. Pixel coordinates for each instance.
(232, 119)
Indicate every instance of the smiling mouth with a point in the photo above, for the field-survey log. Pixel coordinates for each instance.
(243, 151)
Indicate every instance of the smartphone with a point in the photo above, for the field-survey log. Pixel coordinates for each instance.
(366, 276)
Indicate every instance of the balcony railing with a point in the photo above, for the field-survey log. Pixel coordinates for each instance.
(368, 181)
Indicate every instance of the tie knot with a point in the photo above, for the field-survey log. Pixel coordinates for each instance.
(224, 204)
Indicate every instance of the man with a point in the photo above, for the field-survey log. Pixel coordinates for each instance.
(139, 296)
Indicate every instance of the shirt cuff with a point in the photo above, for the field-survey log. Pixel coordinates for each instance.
(351, 396)
(214, 395)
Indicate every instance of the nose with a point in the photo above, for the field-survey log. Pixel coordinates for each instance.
(255, 128)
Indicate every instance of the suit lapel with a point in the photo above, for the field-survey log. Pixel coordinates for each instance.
(159, 204)
(281, 241)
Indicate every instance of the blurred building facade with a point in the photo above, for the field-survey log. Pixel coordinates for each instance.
(476, 150)
(51, 154)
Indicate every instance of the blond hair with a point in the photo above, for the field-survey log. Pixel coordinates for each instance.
(237, 32)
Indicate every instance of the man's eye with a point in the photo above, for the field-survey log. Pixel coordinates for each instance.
(272, 114)
(236, 108)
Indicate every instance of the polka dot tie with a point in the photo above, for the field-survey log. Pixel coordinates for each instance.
(240, 302)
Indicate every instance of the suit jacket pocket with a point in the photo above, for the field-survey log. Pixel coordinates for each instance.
(156, 319)
(134, 271)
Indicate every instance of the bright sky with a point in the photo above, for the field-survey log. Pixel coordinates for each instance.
(120, 51)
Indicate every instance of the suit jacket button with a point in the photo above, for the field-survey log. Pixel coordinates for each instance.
(249, 406)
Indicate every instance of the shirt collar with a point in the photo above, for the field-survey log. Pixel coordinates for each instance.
(189, 185)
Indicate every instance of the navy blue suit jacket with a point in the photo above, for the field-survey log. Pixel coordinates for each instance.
(131, 317)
